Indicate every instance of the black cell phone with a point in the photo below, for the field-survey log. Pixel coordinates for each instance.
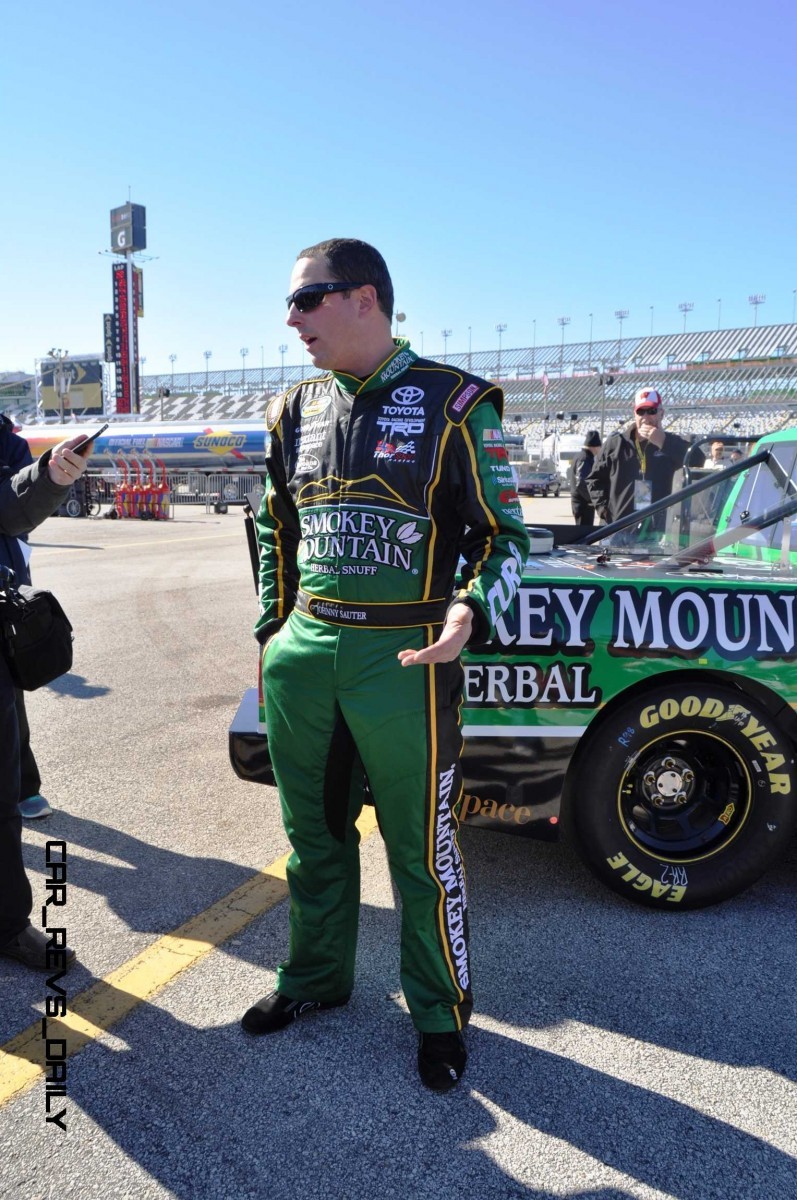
(82, 446)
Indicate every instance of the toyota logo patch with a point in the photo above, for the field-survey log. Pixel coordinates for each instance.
(407, 395)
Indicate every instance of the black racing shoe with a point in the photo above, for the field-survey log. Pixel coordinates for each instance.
(275, 1012)
(30, 947)
(441, 1060)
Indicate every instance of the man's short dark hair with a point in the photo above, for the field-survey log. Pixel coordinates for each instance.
(349, 258)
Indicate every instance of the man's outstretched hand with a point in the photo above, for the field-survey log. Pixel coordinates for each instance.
(456, 631)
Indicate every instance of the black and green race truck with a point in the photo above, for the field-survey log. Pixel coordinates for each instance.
(640, 697)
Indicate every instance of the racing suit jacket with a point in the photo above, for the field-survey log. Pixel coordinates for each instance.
(375, 487)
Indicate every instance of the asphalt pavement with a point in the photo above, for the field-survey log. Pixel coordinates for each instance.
(614, 1052)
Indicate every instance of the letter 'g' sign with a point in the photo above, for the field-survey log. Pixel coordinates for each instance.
(128, 228)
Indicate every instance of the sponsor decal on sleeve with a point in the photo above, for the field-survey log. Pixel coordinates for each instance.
(274, 411)
(313, 406)
(493, 442)
(462, 399)
(503, 589)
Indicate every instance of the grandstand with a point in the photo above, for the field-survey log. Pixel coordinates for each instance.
(734, 380)
(710, 380)
(206, 406)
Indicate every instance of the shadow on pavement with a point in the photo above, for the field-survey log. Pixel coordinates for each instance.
(332, 1107)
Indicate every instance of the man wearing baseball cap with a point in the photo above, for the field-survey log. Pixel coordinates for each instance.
(637, 464)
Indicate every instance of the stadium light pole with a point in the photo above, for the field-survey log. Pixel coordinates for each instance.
(651, 320)
(500, 330)
(469, 345)
(589, 352)
(686, 307)
(533, 347)
(283, 352)
(208, 355)
(719, 313)
(262, 366)
(400, 317)
(621, 314)
(563, 323)
(604, 380)
(755, 300)
(244, 352)
(445, 335)
(172, 360)
(421, 333)
(793, 304)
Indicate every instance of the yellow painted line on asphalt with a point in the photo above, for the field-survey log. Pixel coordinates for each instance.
(93, 1012)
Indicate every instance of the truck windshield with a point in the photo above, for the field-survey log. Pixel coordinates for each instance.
(748, 510)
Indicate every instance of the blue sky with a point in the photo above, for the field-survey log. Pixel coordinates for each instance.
(514, 162)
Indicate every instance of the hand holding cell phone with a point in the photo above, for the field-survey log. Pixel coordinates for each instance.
(68, 460)
(83, 446)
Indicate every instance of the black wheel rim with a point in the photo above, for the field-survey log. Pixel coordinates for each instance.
(685, 796)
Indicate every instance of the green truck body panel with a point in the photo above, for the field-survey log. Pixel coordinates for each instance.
(696, 655)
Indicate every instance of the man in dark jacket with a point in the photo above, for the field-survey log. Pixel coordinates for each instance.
(14, 455)
(26, 499)
(581, 469)
(636, 465)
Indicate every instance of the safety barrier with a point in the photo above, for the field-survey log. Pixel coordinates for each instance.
(216, 492)
(156, 495)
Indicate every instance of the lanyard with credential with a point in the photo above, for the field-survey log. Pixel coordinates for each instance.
(642, 455)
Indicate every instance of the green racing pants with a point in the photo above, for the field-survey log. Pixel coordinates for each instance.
(340, 710)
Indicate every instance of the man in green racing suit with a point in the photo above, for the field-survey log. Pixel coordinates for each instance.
(380, 474)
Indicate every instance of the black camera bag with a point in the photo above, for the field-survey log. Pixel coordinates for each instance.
(35, 635)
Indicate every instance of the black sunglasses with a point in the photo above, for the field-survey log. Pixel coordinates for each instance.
(646, 412)
(310, 296)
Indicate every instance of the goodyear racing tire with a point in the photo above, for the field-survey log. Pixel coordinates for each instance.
(685, 796)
